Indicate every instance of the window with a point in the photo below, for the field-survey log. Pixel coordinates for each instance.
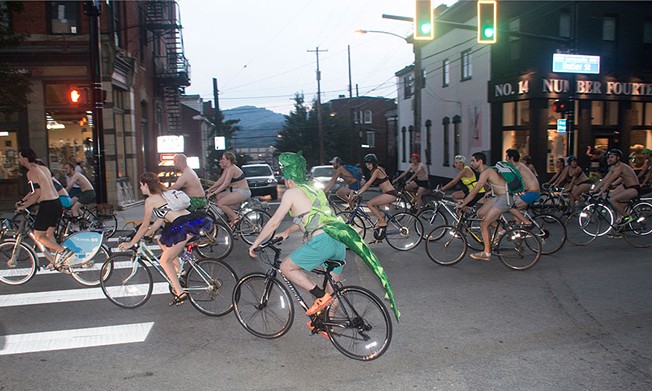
(116, 23)
(647, 31)
(564, 24)
(5, 22)
(466, 65)
(367, 117)
(408, 81)
(447, 158)
(457, 134)
(609, 28)
(371, 139)
(121, 130)
(446, 73)
(403, 132)
(64, 17)
(428, 142)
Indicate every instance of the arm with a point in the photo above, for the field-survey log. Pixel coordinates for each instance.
(404, 173)
(180, 183)
(608, 179)
(482, 181)
(31, 198)
(455, 180)
(330, 183)
(275, 221)
(73, 180)
(369, 182)
(562, 177)
(144, 226)
(220, 185)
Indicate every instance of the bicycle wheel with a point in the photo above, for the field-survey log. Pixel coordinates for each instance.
(402, 203)
(431, 218)
(403, 231)
(445, 245)
(638, 233)
(107, 224)
(605, 215)
(355, 221)
(473, 234)
(89, 273)
(582, 227)
(263, 306)
(211, 287)
(128, 282)
(251, 223)
(551, 231)
(221, 243)
(519, 249)
(358, 324)
(17, 263)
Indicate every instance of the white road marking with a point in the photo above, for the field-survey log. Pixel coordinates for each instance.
(75, 338)
(65, 296)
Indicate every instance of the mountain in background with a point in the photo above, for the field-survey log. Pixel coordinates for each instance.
(258, 126)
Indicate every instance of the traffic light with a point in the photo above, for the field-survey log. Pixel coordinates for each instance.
(487, 27)
(78, 95)
(562, 106)
(423, 20)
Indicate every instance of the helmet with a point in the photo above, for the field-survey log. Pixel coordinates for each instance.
(647, 151)
(570, 159)
(616, 152)
(416, 155)
(370, 158)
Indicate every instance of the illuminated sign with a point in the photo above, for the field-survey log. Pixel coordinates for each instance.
(561, 126)
(220, 143)
(575, 63)
(169, 144)
(193, 162)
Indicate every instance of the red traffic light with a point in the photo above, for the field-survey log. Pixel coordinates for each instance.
(78, 95)
(562, 106)
(75, 95)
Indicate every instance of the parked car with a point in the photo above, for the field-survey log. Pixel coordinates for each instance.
(261, 180)
(320, 175)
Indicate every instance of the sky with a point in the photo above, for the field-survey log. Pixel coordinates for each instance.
(262, 52)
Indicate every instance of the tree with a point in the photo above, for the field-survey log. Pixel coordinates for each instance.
(220, 128)
(14, 83)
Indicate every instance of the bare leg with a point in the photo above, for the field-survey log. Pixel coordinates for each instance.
(296, 275)
(169, 261)
(377, 201)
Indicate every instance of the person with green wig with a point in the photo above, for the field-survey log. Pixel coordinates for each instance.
(327, 236)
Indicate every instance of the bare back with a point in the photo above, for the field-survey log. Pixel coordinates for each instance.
(530, 182)
(41, 175)
(189, 183)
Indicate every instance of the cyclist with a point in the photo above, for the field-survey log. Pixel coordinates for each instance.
(627, 185)
(418, 180)
(530, 184)
(469, 178)
(232, 178)
(66, 201)
(389, 194)
(181, 227)
(578, 182)
(492, 209)
(87, 192)
(560, 168)
(352, 181)
(189, 183)
(645, 176)
(527, 160)
(49, 212)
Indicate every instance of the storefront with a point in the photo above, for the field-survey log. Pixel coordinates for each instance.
(604, 113)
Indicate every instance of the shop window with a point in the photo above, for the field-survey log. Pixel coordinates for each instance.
(64, 17)
(640, 139)
(9, 156)
(517, 139)
(446, 73)
(609, 28)
(509, 113)
(447, 158)
(467, 69)
(637, 113)
(648, 114)
(523, 112)
(557, 147)
(565, 24)
(597, 112)
(611, 114)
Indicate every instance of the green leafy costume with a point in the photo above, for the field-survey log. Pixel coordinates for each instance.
(293, 166)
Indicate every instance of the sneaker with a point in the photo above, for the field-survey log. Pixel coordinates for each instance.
(481, 256)
(312, 328)
(625, 220)
(319, 304)
(63, 256)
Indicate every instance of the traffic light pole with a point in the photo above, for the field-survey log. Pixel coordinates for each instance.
(93, 10)
(418, 83)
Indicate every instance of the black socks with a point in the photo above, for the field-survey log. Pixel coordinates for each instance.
(317, 292)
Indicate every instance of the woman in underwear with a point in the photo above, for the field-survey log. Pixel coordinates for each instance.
(181, 227)
(232, 178)
(388, 195)
(578, 182)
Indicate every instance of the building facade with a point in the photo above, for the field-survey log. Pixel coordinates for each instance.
(143, 74)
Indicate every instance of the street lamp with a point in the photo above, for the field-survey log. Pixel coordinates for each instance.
(381, 32)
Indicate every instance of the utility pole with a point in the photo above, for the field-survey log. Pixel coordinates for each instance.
(94, 10)
(418, 83)
(348, 49)
(320, 124)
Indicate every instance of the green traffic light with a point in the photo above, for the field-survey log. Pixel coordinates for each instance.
(425, 28)
(488, 32)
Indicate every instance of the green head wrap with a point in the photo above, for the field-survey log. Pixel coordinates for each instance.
(293, 167)
(647, 150)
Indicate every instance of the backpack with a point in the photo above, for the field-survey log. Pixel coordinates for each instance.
(176, 199)
(354, 170)
(512, 177)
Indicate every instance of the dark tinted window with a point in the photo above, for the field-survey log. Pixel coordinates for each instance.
(250, 171)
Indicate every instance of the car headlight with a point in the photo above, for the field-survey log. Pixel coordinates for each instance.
(318, 185)
(271, 180)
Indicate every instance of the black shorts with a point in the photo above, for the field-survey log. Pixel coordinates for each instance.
(475, 199)
(49, 213)
(423, 184)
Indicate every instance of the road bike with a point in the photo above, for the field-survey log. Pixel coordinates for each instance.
(98, 217)
(598, 218)
(356, 322)
(403, 231)
(19, 260)
(129, 282)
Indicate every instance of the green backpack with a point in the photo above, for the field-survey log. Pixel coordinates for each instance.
(512, 177)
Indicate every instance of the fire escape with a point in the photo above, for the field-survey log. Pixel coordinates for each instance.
(171, 68)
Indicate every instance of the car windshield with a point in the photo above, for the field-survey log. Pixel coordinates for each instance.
(322, 171)
(251, 171)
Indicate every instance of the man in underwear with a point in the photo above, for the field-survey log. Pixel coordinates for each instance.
(418, 180)
(46, 196)
(87, 194)
(189, 183)
(530, 184)
(490, 212)
(621, 195)
(352, 183)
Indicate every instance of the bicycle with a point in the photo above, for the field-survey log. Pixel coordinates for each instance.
(19, 261)
(208, 282)
(357, 322)
(403, 231)
(406, 200)
(516, 247)
(597, 219)
(98, 217)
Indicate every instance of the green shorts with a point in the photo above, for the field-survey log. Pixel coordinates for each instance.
(318, 250)
(196, 203)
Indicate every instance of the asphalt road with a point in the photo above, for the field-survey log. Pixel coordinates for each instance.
(579, 320)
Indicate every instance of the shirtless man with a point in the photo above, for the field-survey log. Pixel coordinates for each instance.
(352, 183)
(189, 183)
(44, 194)
(629, 190)
(530, 184)
(491, 210)
(87, 194)
(418, 180)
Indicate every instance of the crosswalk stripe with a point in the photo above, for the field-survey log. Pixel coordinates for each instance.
(75, 338)
(65, 296)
